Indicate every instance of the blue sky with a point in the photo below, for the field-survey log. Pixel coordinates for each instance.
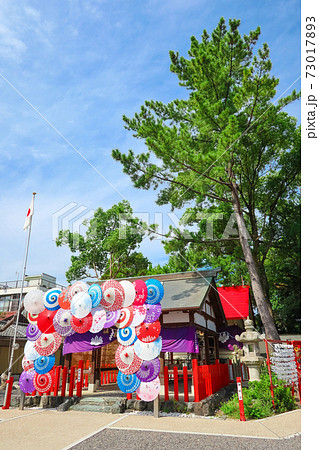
(82, 65)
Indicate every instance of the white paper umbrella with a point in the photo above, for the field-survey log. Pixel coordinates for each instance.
(149, 390)
(99, 318)
(33, 301)
(148, 350)
(81, 305)
(30, 352)
(129, 293)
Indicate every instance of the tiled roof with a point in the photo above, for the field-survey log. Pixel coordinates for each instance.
(9, 332)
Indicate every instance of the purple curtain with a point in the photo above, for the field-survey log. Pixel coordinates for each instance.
(88, 341)
(179, 340)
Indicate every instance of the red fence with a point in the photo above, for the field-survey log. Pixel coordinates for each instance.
(108, 374)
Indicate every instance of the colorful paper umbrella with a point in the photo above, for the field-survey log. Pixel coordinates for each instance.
(27, 364)
(129, 293)
(111, 318)
(148, 391)
(148, 350)
(99, 318)
(44, 364)
(45, 321)
(51, 299)
(126, 336)
(148, 332)
(33, 301)
(113, 295)
(47, 344)
(126, 317)
(82, 325)
(139, 314)
(64, 299)
(42, 382)
(140, 292)
(33, 318)
(26, 382)
(126, 359)
(153, 312)
(127, 383)
(149, 370)
(78, 286)
(33, 332)
(81, 305)
(95, 292)
(62, 322)
(155, 291)
(30, 351)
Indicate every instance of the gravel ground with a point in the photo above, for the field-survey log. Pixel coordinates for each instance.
(141, 440)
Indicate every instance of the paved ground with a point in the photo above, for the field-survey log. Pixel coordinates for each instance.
(50, 429)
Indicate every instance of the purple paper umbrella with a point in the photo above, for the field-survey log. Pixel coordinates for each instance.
(26, 382)
(149, 370)
(33, 332)
(152, 313)
(62, 322)
(111, 318)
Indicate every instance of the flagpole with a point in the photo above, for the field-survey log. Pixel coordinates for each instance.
(19, 303)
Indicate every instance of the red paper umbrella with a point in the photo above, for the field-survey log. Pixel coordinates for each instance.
(141, 292)
(127, 360)
(148, 332)
(113, 295)
(27, 364)
(33, 318)
(42, 381)
(82, 325)
(45, 321)
(64, 299)
(126, 317)
(47, 344)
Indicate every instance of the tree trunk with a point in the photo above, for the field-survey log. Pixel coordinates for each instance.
(263, 306)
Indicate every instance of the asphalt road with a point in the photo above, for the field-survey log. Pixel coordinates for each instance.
(142, 440)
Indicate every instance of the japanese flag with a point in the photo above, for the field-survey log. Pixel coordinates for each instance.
(28, 219)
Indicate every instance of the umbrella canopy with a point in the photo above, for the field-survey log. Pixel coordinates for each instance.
(111, 318)
(95, 292)
(127, 383)
(47, 344)
(51, 299)
(129, 293)
(148, 332)
(140, 292)
(30, 351)
(148, 391)
(99, 319)
(148, 350)
(26, 382)
(153, 312)
(126, 317)
(33, 332)
(139, 314)
(64, 299)
(113, 295)
(149, 370)
(62, 322)
(33, 318)
(78, 286)
(155, 291)
(45, 321)
(42, 381)
(81, 304)
(33, 301)
(44, 364)
(27, 364)
(126, 359)
(126, 336)
(83, 324)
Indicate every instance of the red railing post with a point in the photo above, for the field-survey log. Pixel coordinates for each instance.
(129, 396)
(8, 396)
(185, 379)
(71, 387)
(80, 379)
(57, 381)
(175, 371)
(240, 399)
(64, 379)
(166, 382)
(195, 379)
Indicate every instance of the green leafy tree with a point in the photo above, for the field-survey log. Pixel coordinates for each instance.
(108, 249)
(227, 144)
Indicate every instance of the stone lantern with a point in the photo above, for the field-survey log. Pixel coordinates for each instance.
(251, 358)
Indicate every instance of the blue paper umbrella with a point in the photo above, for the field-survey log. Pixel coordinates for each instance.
(155, 291)
(50, 299)
(127, 383)
(44, 364)
(95, 292)
(126, 335)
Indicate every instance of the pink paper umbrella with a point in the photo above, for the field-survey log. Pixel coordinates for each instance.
(126, 359)
(141, 292)
(113, 295)
(47, 344)
(99, 318)
(149, 390)
(26, 382)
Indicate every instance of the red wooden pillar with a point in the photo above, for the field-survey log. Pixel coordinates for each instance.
(185, 379)
(57, 380)
(195, 380)
(71, 387)
(8, 396)
(176, 383)
(64, 380)
(166, 381)
(129, 396)
(80, 379)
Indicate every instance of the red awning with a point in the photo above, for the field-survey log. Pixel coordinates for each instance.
(235, 301)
